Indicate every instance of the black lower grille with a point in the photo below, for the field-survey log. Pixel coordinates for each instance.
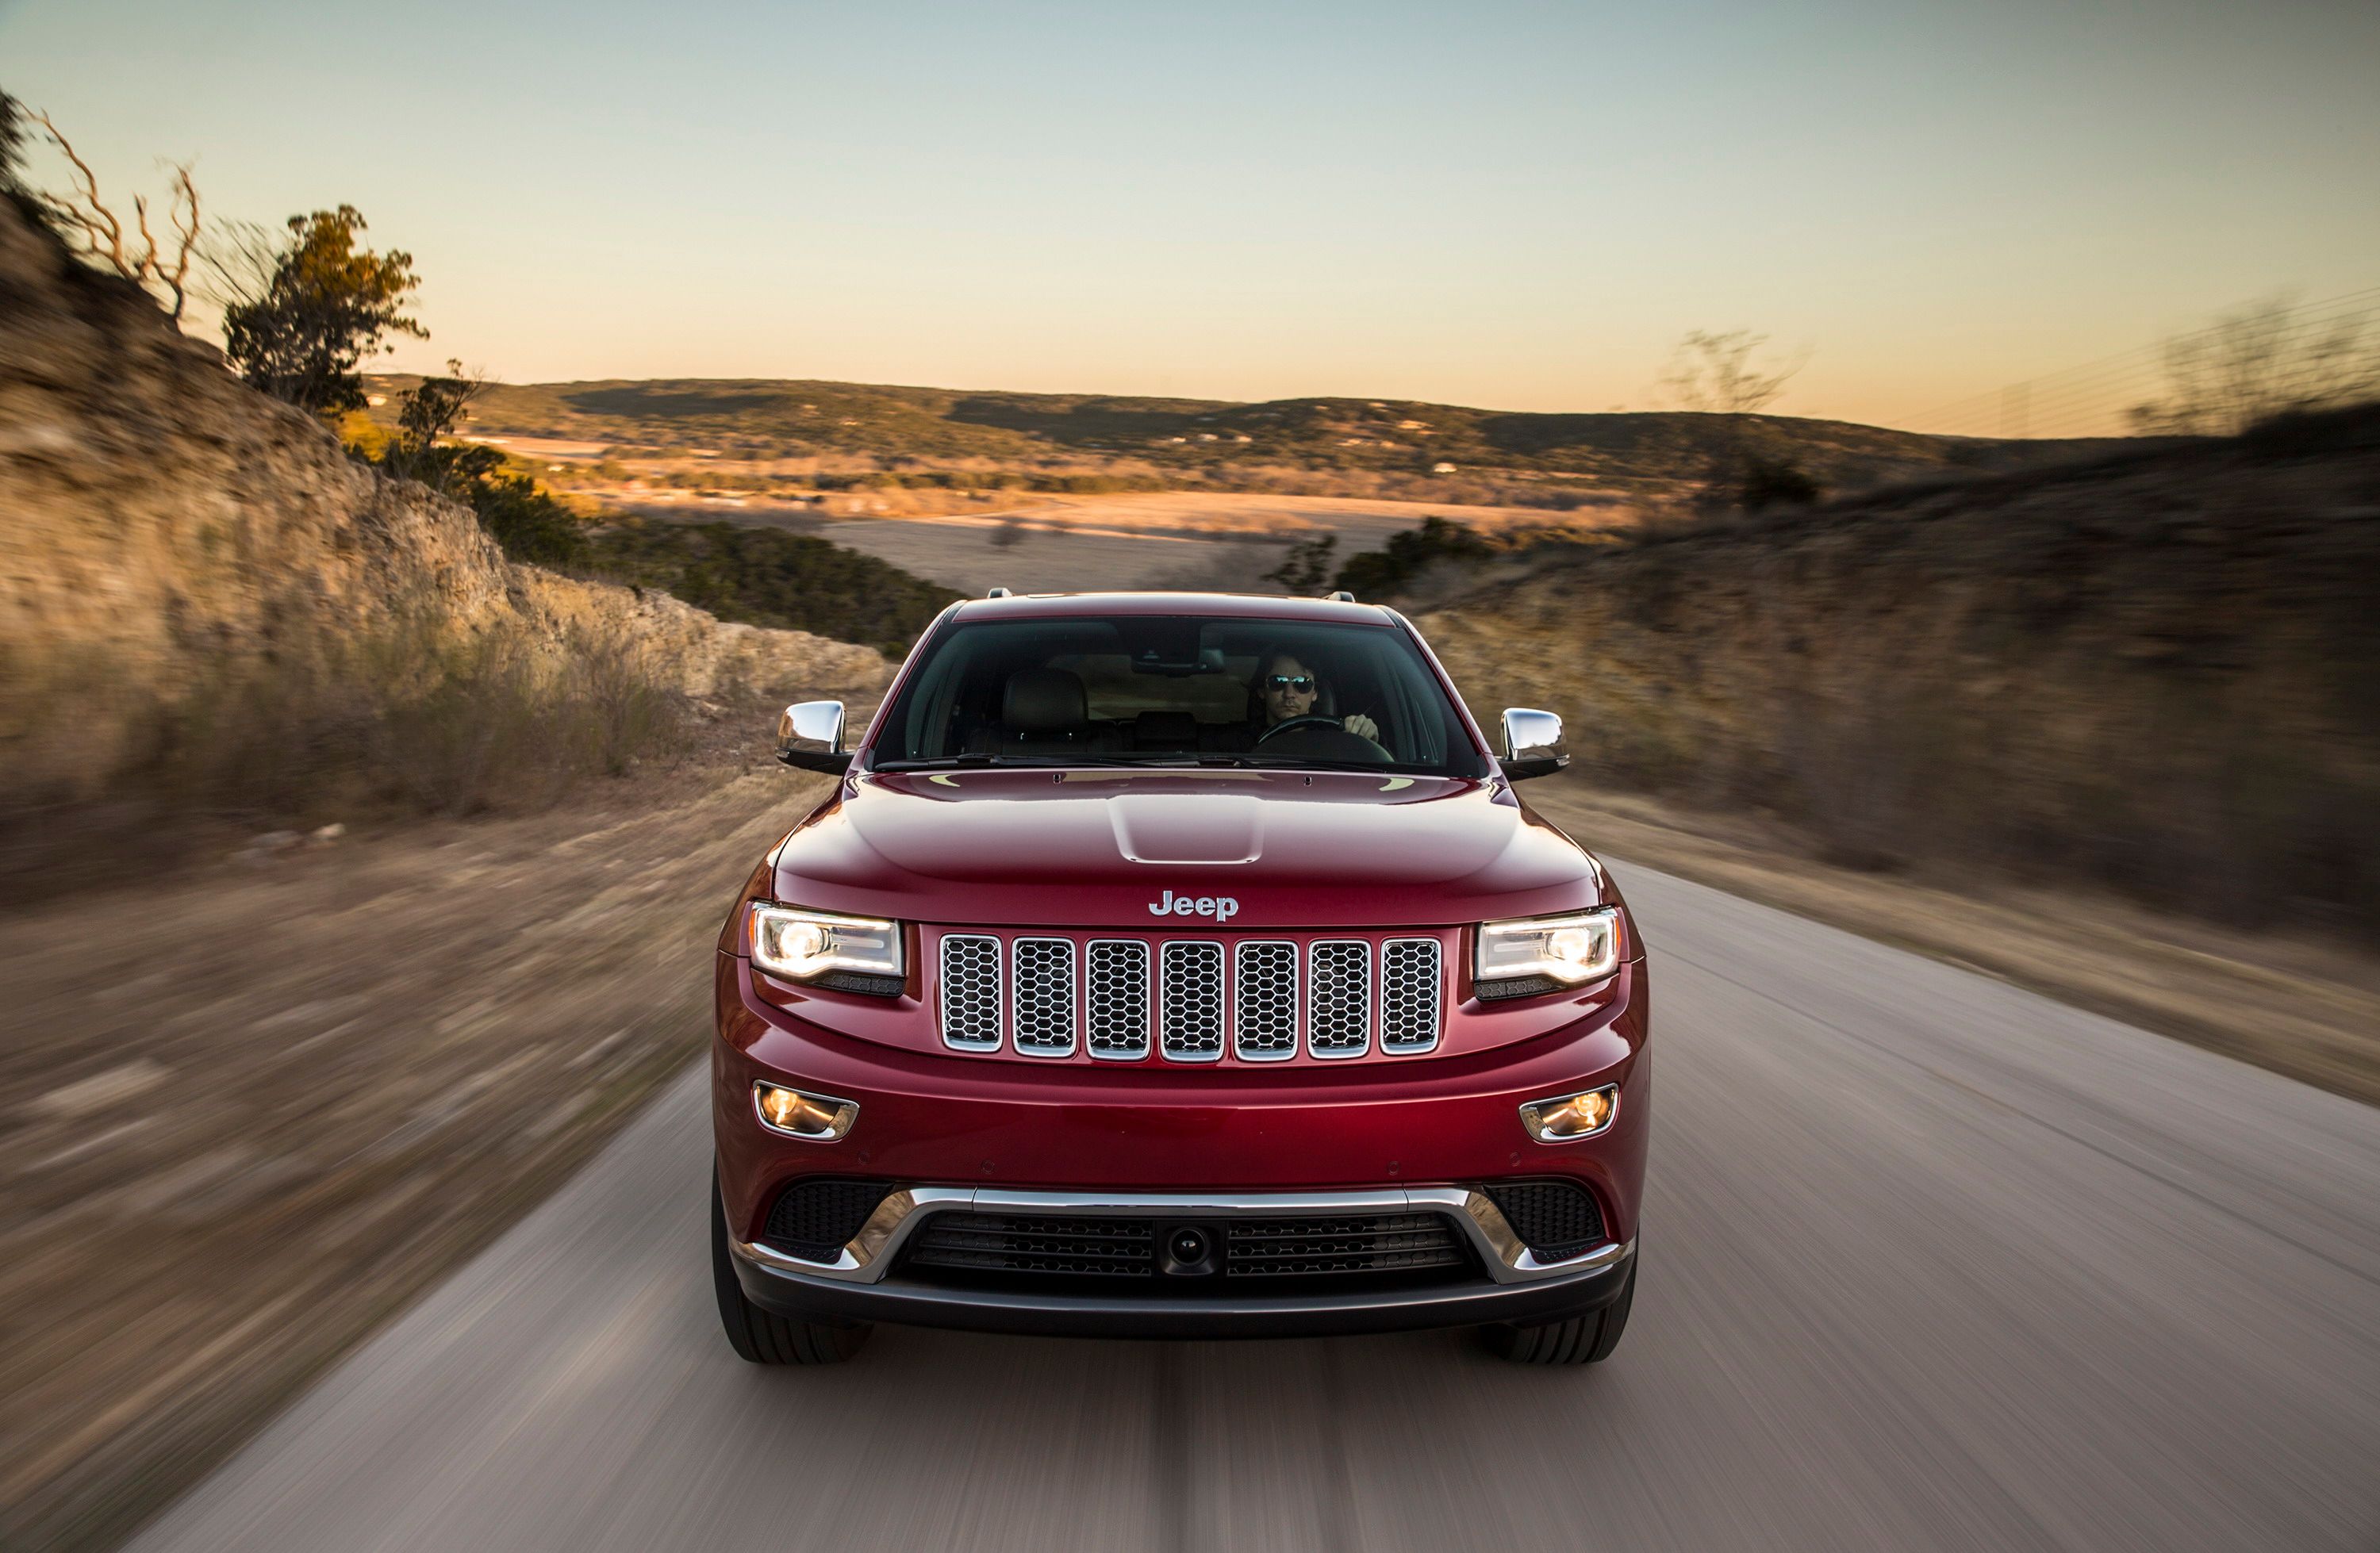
(815, 1219)
(999, 1243)
(1554, 1219)
(1292, 1247)
(1394, 1247)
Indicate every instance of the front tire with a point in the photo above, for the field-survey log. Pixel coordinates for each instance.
(764, 1337)
(1581, 1339)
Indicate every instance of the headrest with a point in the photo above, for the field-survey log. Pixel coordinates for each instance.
(1165, 730)
(1044, 701)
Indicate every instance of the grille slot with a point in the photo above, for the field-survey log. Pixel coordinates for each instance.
(1554, 1219)
(1001, 1243)
(1117, 993)
(1339, 998)
(1410, 996)
(1044, 971)
(815, 1219)
(1300, 1247)
(1190, 1000)
(1264, 999)
(971, 991)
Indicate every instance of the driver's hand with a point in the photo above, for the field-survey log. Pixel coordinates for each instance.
(1356, 722)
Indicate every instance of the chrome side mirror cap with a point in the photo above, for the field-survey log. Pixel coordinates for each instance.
(810, 735)
(1532, 743)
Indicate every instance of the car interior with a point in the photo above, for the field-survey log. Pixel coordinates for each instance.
(1159, 688)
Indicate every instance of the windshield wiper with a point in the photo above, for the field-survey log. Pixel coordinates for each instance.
(944, 762)
(1366, 767)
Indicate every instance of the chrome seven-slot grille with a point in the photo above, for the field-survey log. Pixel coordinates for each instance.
(1258, 998)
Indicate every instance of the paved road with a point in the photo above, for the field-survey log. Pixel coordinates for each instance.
(1931, 1262)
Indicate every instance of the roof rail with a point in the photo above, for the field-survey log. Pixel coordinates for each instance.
(1341, 597)
(998, 593)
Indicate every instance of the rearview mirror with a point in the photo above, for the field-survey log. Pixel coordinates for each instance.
(810, 735)
(1532, 744)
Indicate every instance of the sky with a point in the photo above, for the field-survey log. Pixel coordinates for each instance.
(1522, 206)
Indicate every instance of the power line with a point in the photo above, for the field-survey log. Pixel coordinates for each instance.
(2094, 396)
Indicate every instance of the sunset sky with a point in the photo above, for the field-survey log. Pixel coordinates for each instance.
(1514, 205)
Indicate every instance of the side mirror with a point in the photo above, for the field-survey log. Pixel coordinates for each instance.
(810, 735)
(1532, 744)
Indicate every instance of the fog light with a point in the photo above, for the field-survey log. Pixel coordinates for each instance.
(1571, 1116)
(820, 1117)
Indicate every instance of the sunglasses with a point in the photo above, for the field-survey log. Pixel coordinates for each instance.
(1300, 682)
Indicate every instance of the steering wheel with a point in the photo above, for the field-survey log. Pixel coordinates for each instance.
(1288, 724)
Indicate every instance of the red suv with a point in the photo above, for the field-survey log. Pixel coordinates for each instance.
(1176, 965)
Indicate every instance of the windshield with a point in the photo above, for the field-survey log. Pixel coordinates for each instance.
(1176, 690)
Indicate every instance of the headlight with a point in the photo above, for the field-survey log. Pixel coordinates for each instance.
(803, 945)
(1569, 950)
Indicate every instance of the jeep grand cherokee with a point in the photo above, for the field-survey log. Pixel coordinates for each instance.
(1110, 993)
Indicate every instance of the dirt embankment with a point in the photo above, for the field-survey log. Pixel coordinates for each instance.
(166, 524)
(2160, 674)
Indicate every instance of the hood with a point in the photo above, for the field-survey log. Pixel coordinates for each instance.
(1111, 848)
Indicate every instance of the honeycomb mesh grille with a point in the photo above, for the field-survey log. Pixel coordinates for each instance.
(1045, 996)
(1190, 1001)
(815, 1219)
(1117, 982)
(1339, 998)
(971, 992)
(1264, 999)
(1409, 994)
(1554, 1219)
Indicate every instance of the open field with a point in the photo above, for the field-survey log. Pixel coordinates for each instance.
(1138, 540)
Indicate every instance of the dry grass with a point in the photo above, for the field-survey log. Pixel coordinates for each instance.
(409, 719)
(2155, 678)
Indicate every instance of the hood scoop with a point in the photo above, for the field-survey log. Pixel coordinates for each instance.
(1185, 828)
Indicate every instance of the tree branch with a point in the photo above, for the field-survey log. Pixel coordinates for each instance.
(101, 221)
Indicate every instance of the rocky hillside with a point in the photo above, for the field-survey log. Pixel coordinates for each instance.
(2159, 672)
(166, 523)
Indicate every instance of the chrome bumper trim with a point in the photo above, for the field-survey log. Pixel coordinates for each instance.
(869, 1255)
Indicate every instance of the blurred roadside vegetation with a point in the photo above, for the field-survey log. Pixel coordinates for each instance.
(2156, 672)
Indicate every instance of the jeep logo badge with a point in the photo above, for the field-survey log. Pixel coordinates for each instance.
(1222, 908)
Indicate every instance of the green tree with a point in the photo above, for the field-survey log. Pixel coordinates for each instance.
(1307, 565)
(324, 307)
(12, 145)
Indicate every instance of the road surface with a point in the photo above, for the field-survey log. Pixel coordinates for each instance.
(1930, 1263)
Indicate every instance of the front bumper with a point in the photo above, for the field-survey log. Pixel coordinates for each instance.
(863, 1284)
(1406, 1124)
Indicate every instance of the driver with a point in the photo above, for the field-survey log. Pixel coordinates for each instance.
(1286, 689)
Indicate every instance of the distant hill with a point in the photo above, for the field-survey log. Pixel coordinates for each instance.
(1207, 441)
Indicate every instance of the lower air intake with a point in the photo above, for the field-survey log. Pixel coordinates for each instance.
(999, 1243)
(815, 1219)
(1554, 1219)
(1303, 1247)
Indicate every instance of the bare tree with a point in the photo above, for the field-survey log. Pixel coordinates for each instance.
(84, 218)
(1717, 374)
(2260, 361)
(1714, 373)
